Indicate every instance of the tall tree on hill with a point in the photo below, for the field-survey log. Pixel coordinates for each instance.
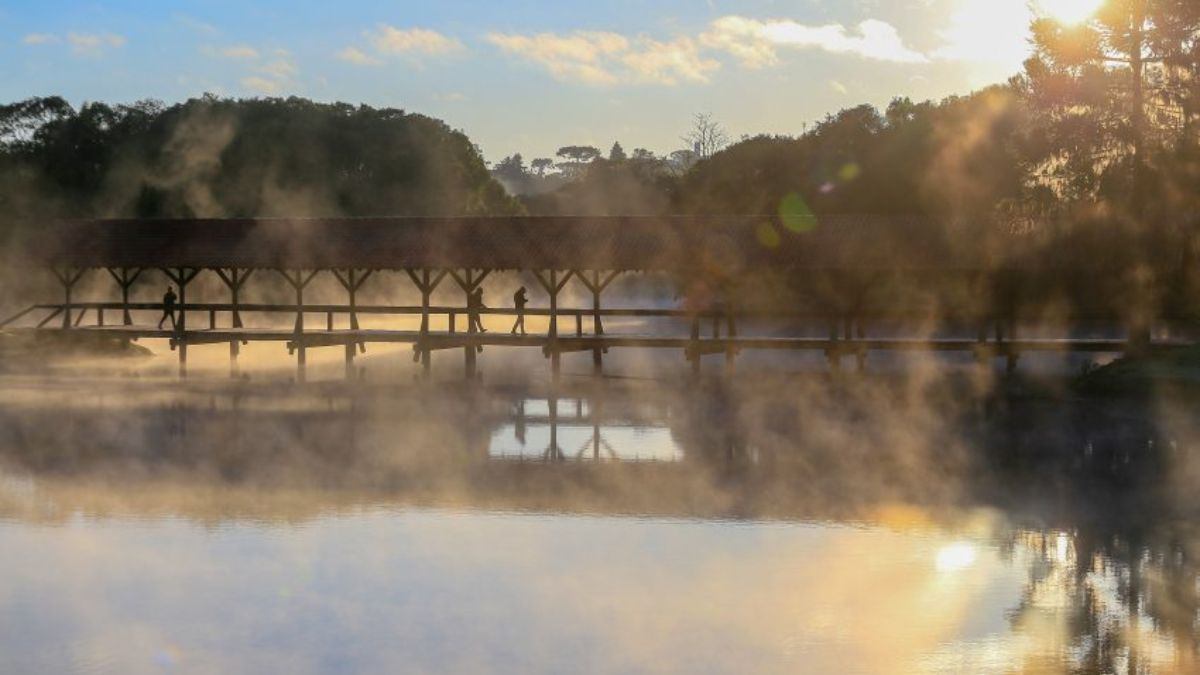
(576, 158)
(706, 137)
(1117, 93)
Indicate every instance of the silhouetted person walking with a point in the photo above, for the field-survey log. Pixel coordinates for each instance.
(474, 305)
(169, 299)
(520, 299)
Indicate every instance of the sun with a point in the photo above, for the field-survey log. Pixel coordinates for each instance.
(1068, 11)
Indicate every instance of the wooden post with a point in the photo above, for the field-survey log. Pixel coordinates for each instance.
(181, 277)
(352, 282)
(1013, 356)
(860, 350)
(469, 283)
(469, 351)
(730, 334)
(234, 279)
(553, 451)
(596, 284)
(68, 277)
(298, 280)
(835, 349)
(425, 283)
(695, 341)
(125, 279)
(981, 346)
(553, 285)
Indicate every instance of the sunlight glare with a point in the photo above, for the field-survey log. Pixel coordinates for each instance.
(955, 557)
(1068, 11)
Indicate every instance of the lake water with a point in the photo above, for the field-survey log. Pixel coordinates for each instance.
(875, 525)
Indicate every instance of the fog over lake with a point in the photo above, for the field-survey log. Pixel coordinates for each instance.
(874, 523)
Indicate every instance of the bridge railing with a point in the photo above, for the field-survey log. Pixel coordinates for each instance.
(417, 310)
(80, 310)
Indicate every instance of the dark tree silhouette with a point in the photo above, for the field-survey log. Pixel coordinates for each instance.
(1116, 97)
(223, 158)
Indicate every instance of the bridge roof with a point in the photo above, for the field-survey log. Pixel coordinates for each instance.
(633, 243)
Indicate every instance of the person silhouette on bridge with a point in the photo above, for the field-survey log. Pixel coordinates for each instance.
(169, 299)
(474, 305)
(520, 299)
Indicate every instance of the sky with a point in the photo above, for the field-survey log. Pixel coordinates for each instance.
(524, 76)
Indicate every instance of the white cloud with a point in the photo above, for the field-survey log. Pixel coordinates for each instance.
(420, 41)
(413, 43)
(241, 52)
(197, 25)
(669, 62)
(40, 39)
(582, 56)
(756, 43)
(82, 44)
(279, 69)
(743, 38)
(94, 43)
(358, 57)
(262, 85)
(603, 58)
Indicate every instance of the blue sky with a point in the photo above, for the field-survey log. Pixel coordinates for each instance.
(523, 75)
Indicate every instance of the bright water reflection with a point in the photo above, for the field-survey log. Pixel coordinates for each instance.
(320, 530)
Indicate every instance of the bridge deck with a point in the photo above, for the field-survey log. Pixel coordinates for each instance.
(572, 342)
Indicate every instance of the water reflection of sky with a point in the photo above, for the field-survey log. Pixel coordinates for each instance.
(576, 442)
(434, 591)
(147, 530)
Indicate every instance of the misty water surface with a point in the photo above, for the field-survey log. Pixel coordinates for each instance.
(874, 525)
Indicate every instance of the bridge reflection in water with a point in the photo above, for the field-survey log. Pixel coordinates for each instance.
(1089, 505)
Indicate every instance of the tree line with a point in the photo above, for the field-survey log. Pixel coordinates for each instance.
(216, 157)
(1103, 121)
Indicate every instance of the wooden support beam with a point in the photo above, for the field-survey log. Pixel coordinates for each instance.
(181, 276)
(834, 353)
(731, 350)
(469, 283)
(351, 282)
(125, 278)
(18, 315)
(234, 280)
(596, 284)
(426, 283)
(553, 285)
(693, 352)
(50, 317)
(68, 277)
(298, 280)
(1012, 354)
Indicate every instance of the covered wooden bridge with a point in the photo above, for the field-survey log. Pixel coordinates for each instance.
(709, 260)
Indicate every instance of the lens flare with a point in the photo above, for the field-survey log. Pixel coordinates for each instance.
(795, 214)
(1068, 11)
